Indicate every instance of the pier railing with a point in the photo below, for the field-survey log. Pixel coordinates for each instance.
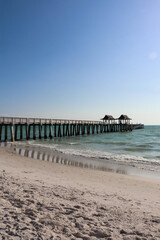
(22, 120)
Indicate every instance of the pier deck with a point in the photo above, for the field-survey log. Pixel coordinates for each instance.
(17, 128)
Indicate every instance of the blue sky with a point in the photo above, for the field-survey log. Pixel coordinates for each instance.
(80, 59)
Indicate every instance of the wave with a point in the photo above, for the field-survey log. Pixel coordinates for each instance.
(140, 149)
(125, 158)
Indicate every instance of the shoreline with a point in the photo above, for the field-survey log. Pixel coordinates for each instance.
(45, 200)
(101, 164)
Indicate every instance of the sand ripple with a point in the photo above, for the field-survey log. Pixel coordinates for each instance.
(37, 211)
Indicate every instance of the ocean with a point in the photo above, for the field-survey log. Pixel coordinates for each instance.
(139, 149)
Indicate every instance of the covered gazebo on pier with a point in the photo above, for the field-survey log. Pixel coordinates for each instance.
(124, 119)
(121, 124)
(108, 119)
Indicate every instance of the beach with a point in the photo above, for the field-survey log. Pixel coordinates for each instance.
(45, 200)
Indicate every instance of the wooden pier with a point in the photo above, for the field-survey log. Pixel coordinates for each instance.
(16, 128)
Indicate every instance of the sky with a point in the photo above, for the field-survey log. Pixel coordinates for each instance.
(80, 59)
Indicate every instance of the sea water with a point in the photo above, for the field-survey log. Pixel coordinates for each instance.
(139, 148)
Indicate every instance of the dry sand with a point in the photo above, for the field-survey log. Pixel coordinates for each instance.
(43, 200)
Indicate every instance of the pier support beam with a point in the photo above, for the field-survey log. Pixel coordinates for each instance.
(5, 137)
(71, 133)
(0, 132)
(12, 133)
(50, 131)
(63, 127)
(45, 131)
(59, 131)
(16, 126)
(26, 131)
(67, 130)
(34, 131)
(40, 131)
(29, 131)
(55, 130)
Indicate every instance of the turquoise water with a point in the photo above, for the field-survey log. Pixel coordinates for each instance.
(139, 148)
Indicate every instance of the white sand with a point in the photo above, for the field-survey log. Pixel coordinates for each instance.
(43, 200)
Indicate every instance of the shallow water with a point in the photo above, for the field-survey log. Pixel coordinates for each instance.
(49, 155)
(139, 148)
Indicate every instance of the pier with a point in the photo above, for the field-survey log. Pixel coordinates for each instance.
(17, 128)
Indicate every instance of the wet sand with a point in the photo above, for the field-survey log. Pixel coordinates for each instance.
(102, 164)
(46, 200)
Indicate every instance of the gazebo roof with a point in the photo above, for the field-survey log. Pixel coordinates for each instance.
(124, 117)
(108, 117)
